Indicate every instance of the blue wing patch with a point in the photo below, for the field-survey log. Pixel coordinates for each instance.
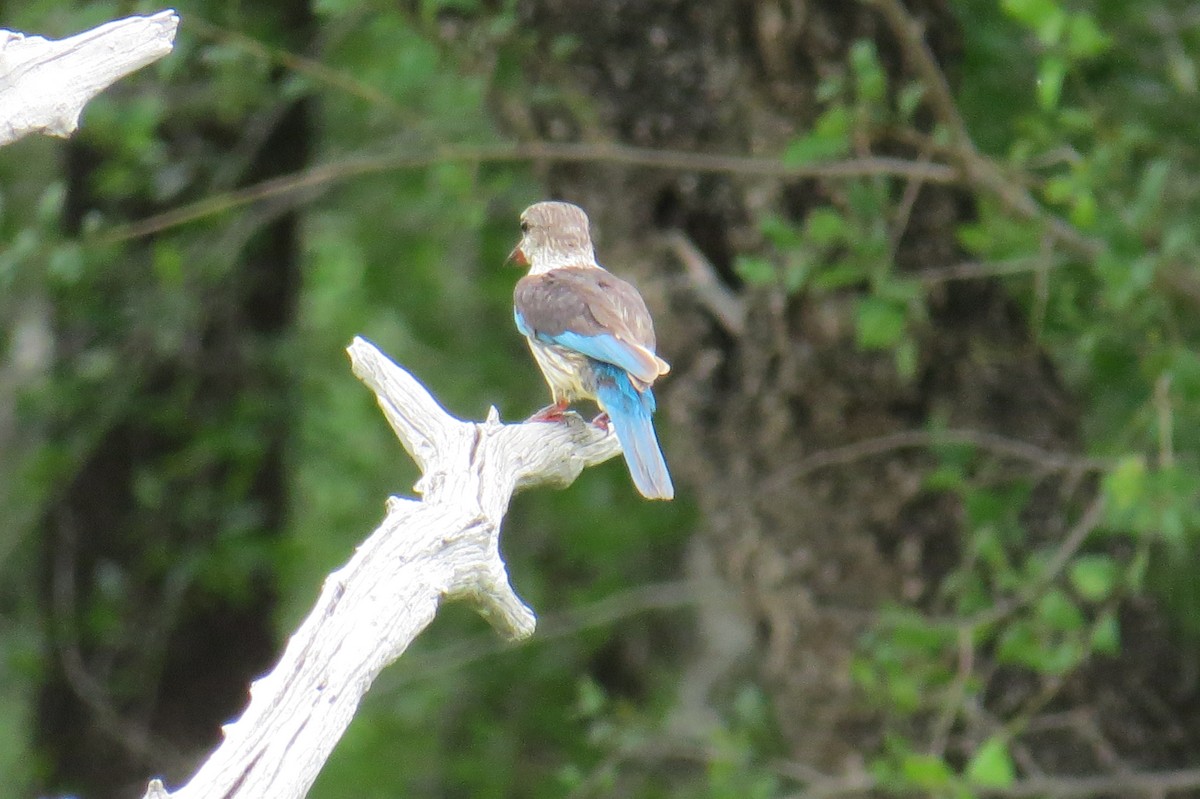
(524, 328)
(604, 347)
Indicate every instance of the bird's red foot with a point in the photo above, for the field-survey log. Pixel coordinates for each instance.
(601, 421)
(551, 413)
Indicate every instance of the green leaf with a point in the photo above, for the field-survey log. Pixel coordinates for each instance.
(1051, 73)
(797, 270)
(1124, 282)
(925, 771)
(750, 706)
(829, 139)
(839, 275)
(50, 204)
(879, 324)
(1059, 612)
(591, 698)
(1017, 643)
(1182, 68)
(868, 199)
(1178, 239)
(168, 262)
(901, 290)
(780, 232)
(1059, 189)
(946, 477)
(992, 766)
(1084, 209)
(1050, 32)
(1148, 202)
(1084, 37)
(909, 99)
(1031, 644)
(1042, 16)
(974, 236)
(869, 76)
(825, 226)
(66, 264)
(987, 508)
(562, 47)
(755, 270)
(1106, 635)
(1125, 486)
(1094, 577)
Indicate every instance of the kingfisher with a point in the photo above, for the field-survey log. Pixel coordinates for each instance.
(591, 334)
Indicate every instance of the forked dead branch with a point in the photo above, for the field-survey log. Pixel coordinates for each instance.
(443, 546)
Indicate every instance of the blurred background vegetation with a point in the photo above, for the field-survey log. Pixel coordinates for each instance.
(927, 273)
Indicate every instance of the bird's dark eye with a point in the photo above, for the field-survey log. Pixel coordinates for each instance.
(524, 226)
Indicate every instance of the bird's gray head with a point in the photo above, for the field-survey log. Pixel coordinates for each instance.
(554, 235)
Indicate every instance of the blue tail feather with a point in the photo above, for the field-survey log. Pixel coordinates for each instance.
(631, 413)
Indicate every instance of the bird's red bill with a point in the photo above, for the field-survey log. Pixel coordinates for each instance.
(517, 256)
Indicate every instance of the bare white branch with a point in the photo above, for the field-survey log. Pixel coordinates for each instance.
(45, 83)
(444, 546)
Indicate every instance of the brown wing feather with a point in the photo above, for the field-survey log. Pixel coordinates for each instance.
(590, 301)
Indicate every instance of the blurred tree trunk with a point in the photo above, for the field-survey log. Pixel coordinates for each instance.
(154, 637)
(811, 555)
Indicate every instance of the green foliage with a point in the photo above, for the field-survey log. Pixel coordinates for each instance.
(410, 257)
(848, 244)
(1116, 323)
(992, 765)
(879, 322)
(1119, 317)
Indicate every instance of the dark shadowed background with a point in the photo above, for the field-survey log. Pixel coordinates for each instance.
(927, 276)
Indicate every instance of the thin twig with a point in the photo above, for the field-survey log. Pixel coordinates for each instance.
(1048, 460)
(956, 694)
(323, 176)
(912, 190)
(310, 68)
(911, 35)
(980, 270)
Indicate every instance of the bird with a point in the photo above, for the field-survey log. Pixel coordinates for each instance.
(591, 335)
